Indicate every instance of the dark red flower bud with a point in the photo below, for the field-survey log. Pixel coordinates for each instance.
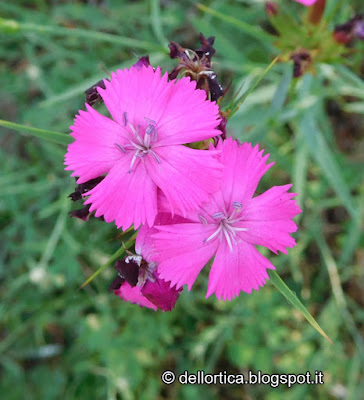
(301, 61)
(271, 8)
(92, 95)
(350, 30)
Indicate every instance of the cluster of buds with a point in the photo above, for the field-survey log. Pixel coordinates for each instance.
(309, 41)
(197, 65)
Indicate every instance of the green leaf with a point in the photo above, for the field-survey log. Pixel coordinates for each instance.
(293, 299)
(281, 92)
(325, 158)
(52, 136)
(10, 26)
(256, 33)
(236, 105)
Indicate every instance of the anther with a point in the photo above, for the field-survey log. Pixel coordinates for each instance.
(202, 219)
(120, 147)
(150, 120)
(218, 215)
(237, 205)
(125, 118)
(150, 129)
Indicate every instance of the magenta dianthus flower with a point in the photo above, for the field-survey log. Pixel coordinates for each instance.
(229, 226)
(141, 148)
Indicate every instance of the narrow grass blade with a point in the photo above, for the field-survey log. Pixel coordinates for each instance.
(157, 23)
(325, 158)
(52, 136)
(293, 299)
(113, 258)
(235, 107)
(248, 29)
(12, 26)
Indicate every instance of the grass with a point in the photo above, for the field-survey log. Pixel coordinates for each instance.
(61, 342)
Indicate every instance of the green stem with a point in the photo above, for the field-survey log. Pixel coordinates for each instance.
(113, 258)
(52, 136)
(235, 107)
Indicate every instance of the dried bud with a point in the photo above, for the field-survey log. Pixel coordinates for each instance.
(84, 213)
(138, 282)
(222, 128)
(206, 50)
(347, 32)
(143, 61)
(92, 95)
(196, 64)
(84, 187)
(271, 8)
(301, 61)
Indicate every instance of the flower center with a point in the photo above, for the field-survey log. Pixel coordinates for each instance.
(141, 145)
(226, 228)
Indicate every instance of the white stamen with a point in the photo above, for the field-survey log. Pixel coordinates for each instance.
(131, 126)
(141, 145)
(155, 156)
(218, 230)
(133, 161)
(225, 224)
(227, 237)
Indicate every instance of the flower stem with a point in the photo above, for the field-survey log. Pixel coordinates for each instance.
(113, 258)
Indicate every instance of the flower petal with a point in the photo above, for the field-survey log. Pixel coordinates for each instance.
(138, 92)
(144, 241)
(181, 252)
(185, 176)
(161, 294)
(94, 152)
(268, 219)
(242, 269)
(244, 166)
(181, 112)
(188, 117)
(127, 198)
(134, 295)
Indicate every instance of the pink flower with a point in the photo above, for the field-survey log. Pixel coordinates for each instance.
(140, 148)
(138, 276)
(306, 3)
(229, 226)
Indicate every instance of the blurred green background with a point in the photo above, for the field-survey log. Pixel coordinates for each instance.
(61, 343)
